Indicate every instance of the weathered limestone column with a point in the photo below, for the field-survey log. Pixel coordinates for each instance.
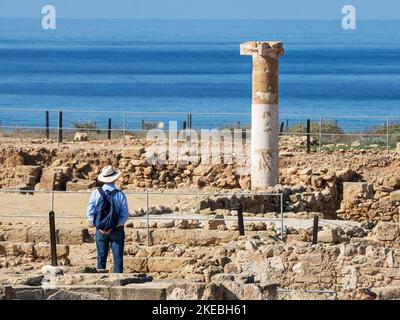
(264, 112)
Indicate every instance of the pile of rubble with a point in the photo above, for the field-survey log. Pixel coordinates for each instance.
(309, 183)
(360, 203)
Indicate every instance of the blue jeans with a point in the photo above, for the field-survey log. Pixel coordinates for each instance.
(116, 238)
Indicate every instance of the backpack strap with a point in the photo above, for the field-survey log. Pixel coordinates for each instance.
(115, 191)
(101, 191)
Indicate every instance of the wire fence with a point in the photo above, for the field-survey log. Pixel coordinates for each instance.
(51, 205)
(31, 204)
(323, 131)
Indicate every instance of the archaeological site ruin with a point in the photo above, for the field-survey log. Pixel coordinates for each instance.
(297, 225)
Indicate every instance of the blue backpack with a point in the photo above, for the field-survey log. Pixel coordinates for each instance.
(106, 217)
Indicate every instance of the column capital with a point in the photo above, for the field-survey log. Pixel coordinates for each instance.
(261, 48)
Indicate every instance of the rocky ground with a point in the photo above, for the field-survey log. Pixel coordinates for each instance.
(192, 248)
(352, 184)
(349, 262)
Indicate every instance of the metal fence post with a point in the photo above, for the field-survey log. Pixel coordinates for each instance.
(124, 126)
(315, 230)
(53, 240)
(320, 133)
(282, 125)
(282, 223)
(335, 133)
(60, 125)
(189, 124)
(387, 133)
(240, 221)
(147, 218)
(189, 120)
(109, 129)
(308, 135)
(47, 121)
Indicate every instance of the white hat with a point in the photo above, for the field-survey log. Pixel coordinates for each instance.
(108, 174)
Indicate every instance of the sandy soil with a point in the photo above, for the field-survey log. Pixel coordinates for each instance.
(34, 207)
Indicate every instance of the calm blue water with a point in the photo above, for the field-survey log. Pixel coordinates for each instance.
(182, 66)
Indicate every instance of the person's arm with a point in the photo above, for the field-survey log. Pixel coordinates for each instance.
(92, 207)
(123, 212)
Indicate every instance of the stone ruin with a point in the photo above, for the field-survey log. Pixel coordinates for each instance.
(347, 263)
(357, 255)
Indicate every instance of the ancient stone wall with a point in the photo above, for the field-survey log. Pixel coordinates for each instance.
(316, 186)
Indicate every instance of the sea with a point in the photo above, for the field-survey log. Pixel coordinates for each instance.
(139, 72)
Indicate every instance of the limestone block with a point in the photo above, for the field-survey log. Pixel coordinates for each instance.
(135, 264)
(88, 276)
(350, 278)
(37, 234)
(168, 236)
(80, 185)
(167, 264)
(13, 249)
(54, 178)
(388, 293)
(302, 295)
(132, 153)
(165, 224)
(395, 196)
(16, 235)
(73, 295)
(195, 291)
(232, 225)
(386, 231)
(230, 268)
(73, 236)
(392, 181)
(142, 291)
(27, 176)
(293, 238)
(355, 190)
(312, 259)
(6, 293)
(81, 136)
(329, 235)
(306, 279)
(391, 272)
(27, 293)
(209, 237)
(43, 251)
(276, 263)
(214, 222)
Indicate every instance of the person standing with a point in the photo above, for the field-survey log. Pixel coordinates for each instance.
(108, 212)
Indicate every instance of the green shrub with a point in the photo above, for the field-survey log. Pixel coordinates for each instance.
(149, 125)
(88, 125)
(393, 129)
(326, 127)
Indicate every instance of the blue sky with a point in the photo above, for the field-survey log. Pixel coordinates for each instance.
(203, 9)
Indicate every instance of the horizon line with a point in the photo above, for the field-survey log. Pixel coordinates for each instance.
(201, 19)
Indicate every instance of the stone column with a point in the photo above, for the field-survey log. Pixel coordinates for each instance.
(264, 112)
